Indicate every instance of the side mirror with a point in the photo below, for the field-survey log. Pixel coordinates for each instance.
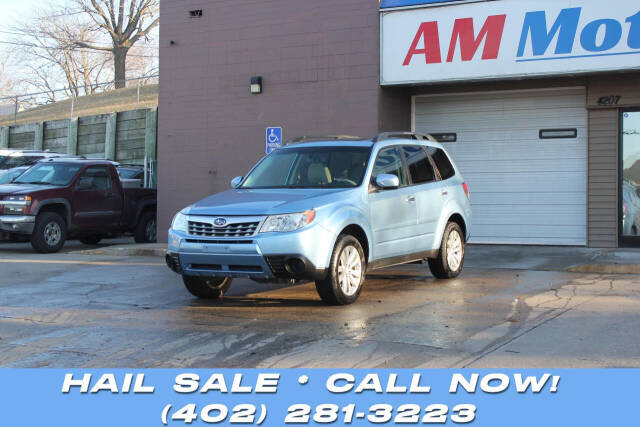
(235, 182)
(387, 181)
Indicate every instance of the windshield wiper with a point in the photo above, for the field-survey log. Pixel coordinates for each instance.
(35, 183)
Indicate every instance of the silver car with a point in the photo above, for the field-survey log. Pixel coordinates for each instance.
(328, 210)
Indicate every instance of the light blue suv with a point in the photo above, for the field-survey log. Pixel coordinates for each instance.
(327, 210)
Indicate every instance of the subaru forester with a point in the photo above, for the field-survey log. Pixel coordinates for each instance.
(328, 210)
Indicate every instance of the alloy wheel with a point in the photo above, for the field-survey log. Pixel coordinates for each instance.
(349, 270)
(455, 250)
(52, 234)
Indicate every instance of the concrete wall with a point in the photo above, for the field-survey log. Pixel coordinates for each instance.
(320, 65)
(125, 136)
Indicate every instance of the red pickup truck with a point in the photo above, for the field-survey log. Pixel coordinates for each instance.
(64, 198)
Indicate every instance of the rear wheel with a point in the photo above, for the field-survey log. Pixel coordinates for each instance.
(145, 231)
(344, 280)
(448, 263)
(207, 287)
(49, 233)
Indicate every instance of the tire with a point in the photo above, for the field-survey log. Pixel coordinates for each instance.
(146, 230)
(336, 289)
(91, 240)
(207, 287)
(49, 233)
(448, 265)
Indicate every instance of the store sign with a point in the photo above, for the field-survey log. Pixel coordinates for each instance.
(509, 38)
(387, 4)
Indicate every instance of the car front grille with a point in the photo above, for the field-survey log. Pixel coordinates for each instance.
(203, 229)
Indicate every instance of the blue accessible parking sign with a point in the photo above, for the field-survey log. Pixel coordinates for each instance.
(274, 139)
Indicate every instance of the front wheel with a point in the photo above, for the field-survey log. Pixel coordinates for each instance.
(207, 287)
(448, 263)
(49, 233)
(344, 280)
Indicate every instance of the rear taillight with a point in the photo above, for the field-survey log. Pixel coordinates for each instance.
(466, 190)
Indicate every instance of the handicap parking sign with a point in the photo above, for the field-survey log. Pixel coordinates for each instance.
(274, 139)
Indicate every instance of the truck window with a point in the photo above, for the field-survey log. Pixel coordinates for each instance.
(96, 178)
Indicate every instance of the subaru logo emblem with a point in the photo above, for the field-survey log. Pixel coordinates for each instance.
(219, 222)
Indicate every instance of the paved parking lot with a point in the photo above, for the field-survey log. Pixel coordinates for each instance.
(73, 310)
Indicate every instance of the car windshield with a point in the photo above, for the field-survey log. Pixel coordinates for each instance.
(6, 177)
(130, 173)
(9, 162)
(59, 174)
(310, 167)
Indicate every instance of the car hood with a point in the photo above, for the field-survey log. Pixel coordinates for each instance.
(17, 189)
(265, 201)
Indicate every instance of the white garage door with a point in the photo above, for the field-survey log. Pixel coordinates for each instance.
(524, 189)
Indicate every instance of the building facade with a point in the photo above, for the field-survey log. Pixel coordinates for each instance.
(538, 102)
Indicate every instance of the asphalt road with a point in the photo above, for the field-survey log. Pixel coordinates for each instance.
(78, 311)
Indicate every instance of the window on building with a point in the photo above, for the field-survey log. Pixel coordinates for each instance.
(420, 168)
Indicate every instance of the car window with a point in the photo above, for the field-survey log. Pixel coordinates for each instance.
(442, 162)
(420, 168)
(389, 161)
(310, 167)
(95, 178)
(60, 174)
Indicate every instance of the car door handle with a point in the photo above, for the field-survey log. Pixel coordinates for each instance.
(444, 192)
(109, 195)
(410, 199)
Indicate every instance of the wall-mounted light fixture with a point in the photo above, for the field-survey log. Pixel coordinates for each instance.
(256, 85)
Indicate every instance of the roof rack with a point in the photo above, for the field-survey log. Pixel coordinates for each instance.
(403, 135)
(303, 139)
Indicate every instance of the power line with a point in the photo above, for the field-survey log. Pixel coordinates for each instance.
(75, 49)
(14, 97)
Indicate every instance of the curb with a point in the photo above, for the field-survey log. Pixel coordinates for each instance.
(607, 268)
(139, 252)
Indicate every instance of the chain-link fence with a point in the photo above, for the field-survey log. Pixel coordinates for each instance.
(39, 106)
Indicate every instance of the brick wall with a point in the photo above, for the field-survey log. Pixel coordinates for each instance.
(320, 65)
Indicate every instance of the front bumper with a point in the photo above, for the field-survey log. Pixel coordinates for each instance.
(300, 255)
(17, 224)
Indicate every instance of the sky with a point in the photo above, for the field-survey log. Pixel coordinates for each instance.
(13, 11)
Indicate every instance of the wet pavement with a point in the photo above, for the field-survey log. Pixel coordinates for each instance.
(75, 310)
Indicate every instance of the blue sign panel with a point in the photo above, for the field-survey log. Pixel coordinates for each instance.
(273, 139)
(386, 4)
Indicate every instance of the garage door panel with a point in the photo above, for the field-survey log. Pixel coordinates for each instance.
(523, 166)
(496, 232)
(523, 189)
(525, 199)
(531, 215)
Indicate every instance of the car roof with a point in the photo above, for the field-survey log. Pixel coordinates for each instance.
(26, 153)
(381, 140)
(79, 160)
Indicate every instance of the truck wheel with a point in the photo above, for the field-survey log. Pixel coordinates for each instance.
(343, 283)
(91, 240)
(207, 287)
(145, 231)
(49, 233)
(448, 263)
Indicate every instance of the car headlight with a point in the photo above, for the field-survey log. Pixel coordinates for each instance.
(180, 222)
(16, 205)
(288, 222)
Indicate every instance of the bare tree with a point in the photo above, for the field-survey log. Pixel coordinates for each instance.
(6, 83)
(51, 54)
(125, 24)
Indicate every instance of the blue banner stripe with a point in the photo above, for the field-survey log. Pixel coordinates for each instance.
(386, 4)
